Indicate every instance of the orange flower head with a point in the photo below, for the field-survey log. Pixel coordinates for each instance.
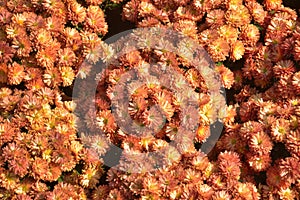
(15, 74)
(272, 4)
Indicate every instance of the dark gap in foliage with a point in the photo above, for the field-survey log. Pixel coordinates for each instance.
(261, 178)
(279, 151)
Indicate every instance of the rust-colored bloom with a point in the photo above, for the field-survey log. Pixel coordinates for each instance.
(287, 193)
(66, 57)
(280, 129)
(218, 49)
(227, 76)
(15, 73)
(52, 77)
(95, 20)
(106, 121)
(273, 4)
(215, 17)
(289, 169)
(238, 16)
(6, 52)
(187, 27)
(90, 176)
(259, 162)
(228, 33)
(260, 143)
(3, 73)
(229, 165)
(67, 76)
(257, 11)
(203, 132)
(250, 34)
(101, 192)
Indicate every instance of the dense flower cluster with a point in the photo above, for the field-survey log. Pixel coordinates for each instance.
(43, 44)
(47, 153)
(264, 132)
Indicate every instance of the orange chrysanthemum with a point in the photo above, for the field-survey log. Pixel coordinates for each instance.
(227, 76)
(95, 20)
(15, 74)
(238, 16)
(237, 51)
(273, 4)
(218, 49)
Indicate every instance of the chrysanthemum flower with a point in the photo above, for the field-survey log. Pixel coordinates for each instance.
(230, 141)
(95, 20)
(106, 121)
(207, 36)
(77, 13)
(262, 74)
(64, 158)
(194, 77)
(238, 16)
(129, 10)
(97, 143)
(259, 162)
(67, 76)
(100, 192)
(250, 128)
(72, 38)
(15, 74)
(52, 77)
(6, 52)
(284, 67)
(218, 49)
(257, 11)
(247, 191)
(289, 169)
(19, 19)
(66, 57)
(14, 31)
(280, 129)
(228, 33)
(272, 4)
(287, 193)
(5, 16)
(274, 179)
(115, 194)
(203, 132)
(52, 6)
(46, 57)
(22, 45)
(296, 52)
(146, 8)
(95, 2)
(233, 3)
(227, 160)
(148, 22)
(227, 76)
(90, 177)
(215, 17)
(221, 195)
(187, 13)
(3, 73)
(154, 118)
(40, 168)
(260, 143)
(250, 34)
(187, 27)
(296, 81)
(55, 25)
(205, 5)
